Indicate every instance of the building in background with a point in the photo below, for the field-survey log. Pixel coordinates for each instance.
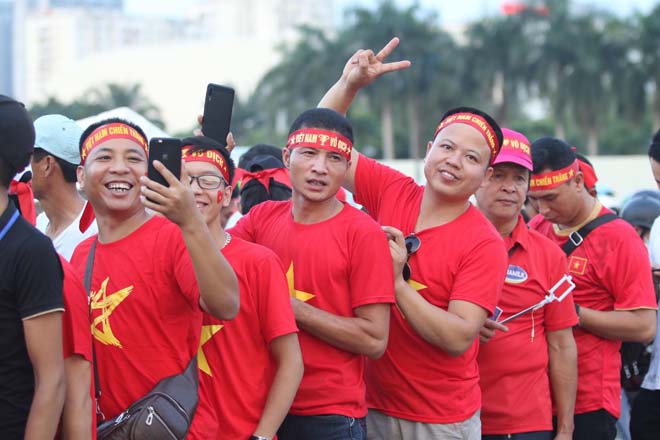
(62, 48)
(6, 47)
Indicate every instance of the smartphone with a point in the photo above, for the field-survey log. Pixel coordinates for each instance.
(218, 106)
(167, 151)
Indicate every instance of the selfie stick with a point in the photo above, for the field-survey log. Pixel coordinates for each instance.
(548, 298)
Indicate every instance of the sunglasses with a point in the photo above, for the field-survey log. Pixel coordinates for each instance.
(412, 245)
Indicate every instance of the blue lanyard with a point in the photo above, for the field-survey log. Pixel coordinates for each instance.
(9, 224)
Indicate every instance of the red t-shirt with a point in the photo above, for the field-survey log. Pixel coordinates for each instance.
(236, 370)
(336, 265)
(146, 317)
(513, 365)
(461, 260)
(611, 271)
(76, 337)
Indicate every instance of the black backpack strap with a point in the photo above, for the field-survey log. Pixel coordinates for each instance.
(89, 268)
(576, 238)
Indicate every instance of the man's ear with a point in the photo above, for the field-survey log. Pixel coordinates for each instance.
(80, 173)
(226, 196)
(286, 157)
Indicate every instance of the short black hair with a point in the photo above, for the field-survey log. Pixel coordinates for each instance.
(489, 119)
(68, 169)
(324, 118)
(7, 173)
(95, 125)
(654, 148)
(261, 156)
(551, 153)
(205, 143)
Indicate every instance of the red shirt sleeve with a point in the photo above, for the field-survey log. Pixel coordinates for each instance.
(372, 179)
(628, 276)
(245, 228)
(482, 275)
(76, 335)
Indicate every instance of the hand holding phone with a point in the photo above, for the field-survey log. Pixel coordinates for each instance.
(218, 105)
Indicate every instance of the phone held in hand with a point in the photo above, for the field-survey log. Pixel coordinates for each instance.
(218, 106)
(168, 152)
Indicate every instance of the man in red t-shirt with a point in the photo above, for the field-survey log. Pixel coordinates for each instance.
(339, 275)
(250, 367)
(614, 294)
(449, 270)
(535, 353)
(151, 275)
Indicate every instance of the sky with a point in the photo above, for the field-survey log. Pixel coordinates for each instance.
(449, 11)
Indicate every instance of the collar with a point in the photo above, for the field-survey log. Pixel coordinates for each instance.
(566, 232)
(4, 218)
(519, 235)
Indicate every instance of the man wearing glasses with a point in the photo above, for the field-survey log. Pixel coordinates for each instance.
(535, 353)
(250, 367)
(340, 278)
(427, 384)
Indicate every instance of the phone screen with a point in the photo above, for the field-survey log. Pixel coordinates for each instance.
(218, 106)
(167, 151)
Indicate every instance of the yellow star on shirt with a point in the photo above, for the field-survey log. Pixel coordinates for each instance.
(107, 304)
(415, 285)
(207, 333)
(298, 294)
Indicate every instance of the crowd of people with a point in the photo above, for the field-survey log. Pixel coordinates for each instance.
(437, 311)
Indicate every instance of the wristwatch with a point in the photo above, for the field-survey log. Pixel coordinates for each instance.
(258, 437)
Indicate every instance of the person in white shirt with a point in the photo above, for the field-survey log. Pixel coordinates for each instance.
(54, 162)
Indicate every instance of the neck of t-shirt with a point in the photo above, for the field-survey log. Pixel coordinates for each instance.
(113, 227)
(307, 212)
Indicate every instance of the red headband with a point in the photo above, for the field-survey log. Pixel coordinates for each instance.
(280, 175)
(209, 156)
(323, 139)
(589, 174)
(115, 130)
(477, 122)
(553, 179)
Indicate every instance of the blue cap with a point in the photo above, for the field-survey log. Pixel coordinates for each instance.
(59, 136)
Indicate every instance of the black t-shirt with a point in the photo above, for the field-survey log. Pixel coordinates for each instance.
(30, 285)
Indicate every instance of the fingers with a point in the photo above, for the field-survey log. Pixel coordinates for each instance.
(185, 178)
(397, 235)
(200, 119)
(395, 66)
(388, 48)
(493, 325)
(170, 178)
(230, 142)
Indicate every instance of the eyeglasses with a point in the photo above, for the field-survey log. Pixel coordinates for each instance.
(413, 244)
(207, 181)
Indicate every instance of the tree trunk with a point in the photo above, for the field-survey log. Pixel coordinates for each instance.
(387, 130)
(414, 134)
(656, 106)
(499, 98)
(592, 140)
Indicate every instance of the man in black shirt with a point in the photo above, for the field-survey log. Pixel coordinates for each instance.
(31, 363)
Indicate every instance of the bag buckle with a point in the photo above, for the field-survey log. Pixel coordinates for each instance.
(576, 238)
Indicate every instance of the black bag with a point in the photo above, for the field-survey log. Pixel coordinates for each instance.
(166, 412)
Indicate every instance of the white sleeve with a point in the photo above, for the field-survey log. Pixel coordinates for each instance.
(654, 243)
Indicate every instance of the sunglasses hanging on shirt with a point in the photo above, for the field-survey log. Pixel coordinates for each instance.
(413, 244)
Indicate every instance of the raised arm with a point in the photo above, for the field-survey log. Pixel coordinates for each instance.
(216, 280)
(360, 71)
